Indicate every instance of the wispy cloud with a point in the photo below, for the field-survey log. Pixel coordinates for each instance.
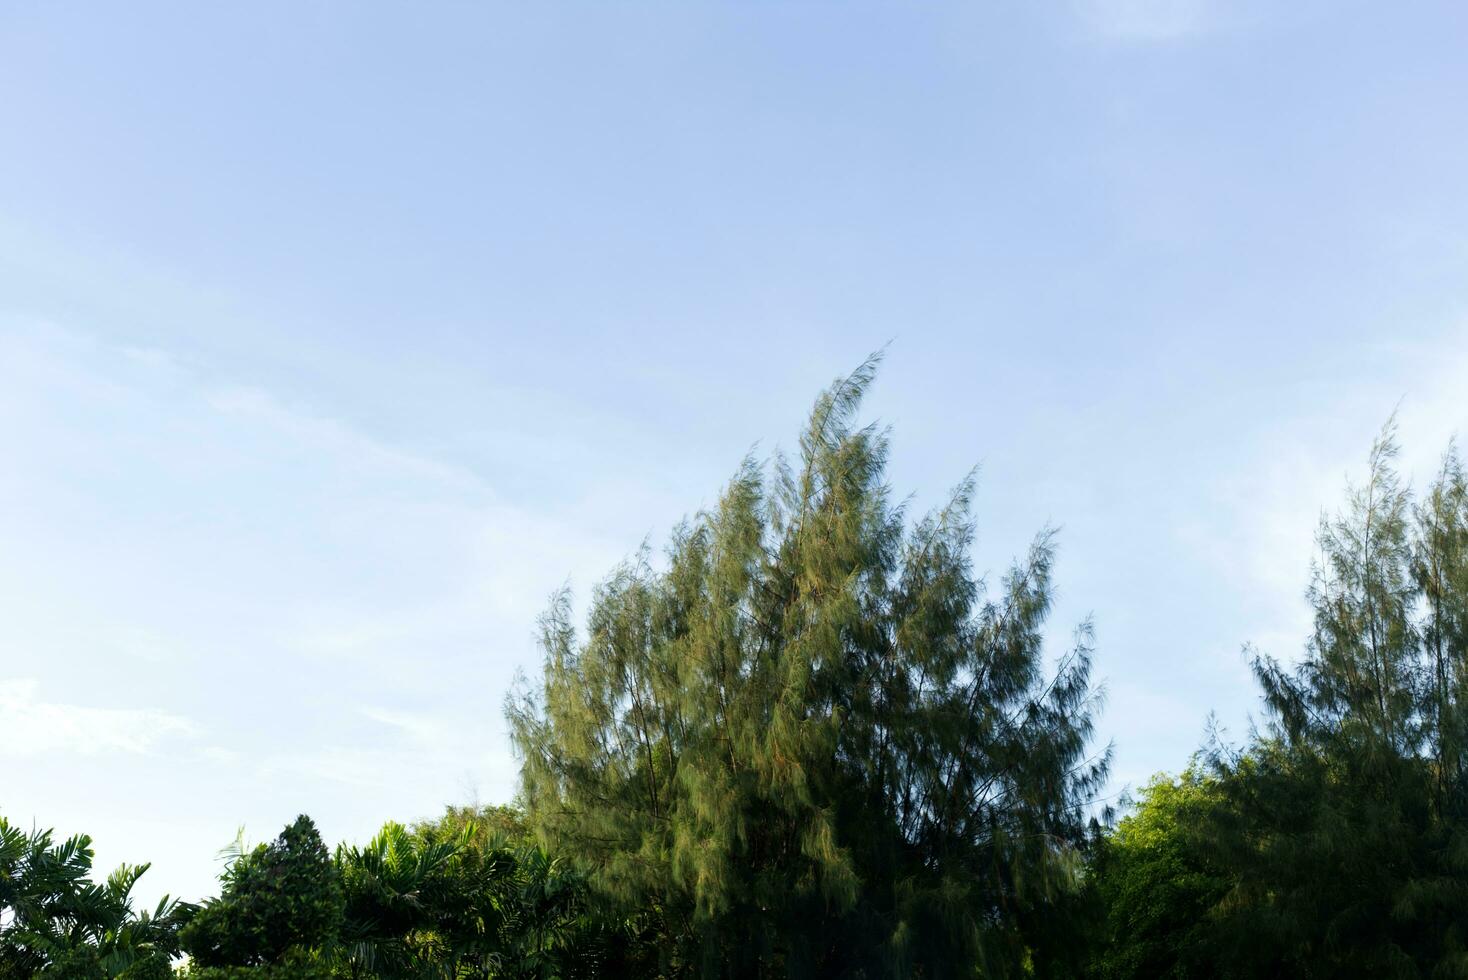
(335, 552)
(32, 727)
(362, 768)
(419, 727)
(1261, 523)
(1147, 20)
(329, 435)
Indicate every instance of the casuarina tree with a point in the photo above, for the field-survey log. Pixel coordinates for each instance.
(1345, 827)
(809, 743)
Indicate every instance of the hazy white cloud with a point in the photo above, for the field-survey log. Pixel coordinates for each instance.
(1147, 20)
(333, 554)
(334, 437)
(31, 727)
(419, 727)
(424, 761)
(362, 768)
(1260, 526)
(218, 755)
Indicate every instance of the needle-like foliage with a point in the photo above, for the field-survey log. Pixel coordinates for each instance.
(809, 744)
(1344, 825)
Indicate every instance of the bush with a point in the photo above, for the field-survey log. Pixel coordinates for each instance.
(271, 972)
(278, 900)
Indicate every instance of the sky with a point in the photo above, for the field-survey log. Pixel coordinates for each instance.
(335, 337)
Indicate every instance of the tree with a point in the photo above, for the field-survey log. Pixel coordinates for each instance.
(1158, 883)
(809, 745)
(56, 922)
(280, 903)
(1345, 832)
(466, 897)
(1439, 568)
(508, 908)
(406, 902)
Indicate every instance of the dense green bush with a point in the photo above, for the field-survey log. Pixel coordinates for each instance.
(154, 967)
(299, 971)
(424, 899)
(467, 895)
(280, 902)
(499, 903)
(1158, 885)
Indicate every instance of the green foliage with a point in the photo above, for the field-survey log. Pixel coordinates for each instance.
(297, 971)
(1157, 885)
(807, 744)
(279, 903)
(1336, 843)
(810, 745)
(154, 967)
(495, 904)
(56, 922)
(1347, 829)
(423, 903)
(469, 895)
(486, 824)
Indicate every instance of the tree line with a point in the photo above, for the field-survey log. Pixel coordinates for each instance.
(812, 741)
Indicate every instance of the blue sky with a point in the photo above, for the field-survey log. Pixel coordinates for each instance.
(334, 337)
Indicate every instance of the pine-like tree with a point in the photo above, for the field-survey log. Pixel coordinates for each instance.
(1345, 828)
(809, 745)
(1440, 574)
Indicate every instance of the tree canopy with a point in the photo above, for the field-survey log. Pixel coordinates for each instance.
(810, 740)
(56, 922)
(1348, 832)
(1334, 843)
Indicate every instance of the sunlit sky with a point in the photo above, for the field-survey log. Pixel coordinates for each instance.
(334, 337)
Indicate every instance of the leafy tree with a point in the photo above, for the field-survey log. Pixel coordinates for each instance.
(1157, 883)
(280, 903)
(400, 893)
(56, 922)
(467, 896)
(292, 971)
(809, 744)
(1346, 832)
(511, 909)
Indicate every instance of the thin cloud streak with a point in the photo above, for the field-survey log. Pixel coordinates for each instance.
(32, 727)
